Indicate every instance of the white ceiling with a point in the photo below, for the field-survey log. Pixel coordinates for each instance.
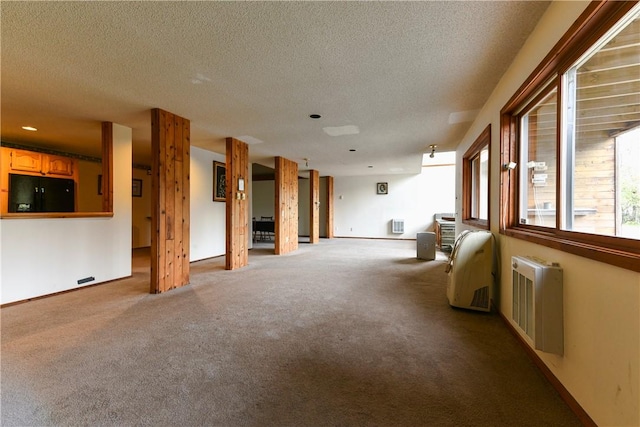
(406, 74)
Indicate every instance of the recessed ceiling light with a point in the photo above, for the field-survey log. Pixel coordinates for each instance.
(31, 128)
(315, 116)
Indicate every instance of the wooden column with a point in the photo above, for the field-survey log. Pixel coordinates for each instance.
(329, 207)
(237, 254)
(107, 165)
(314, 206)
(286, 206)
(170, 144)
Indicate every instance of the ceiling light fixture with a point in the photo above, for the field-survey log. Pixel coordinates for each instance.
(29, 128)
(315, 116)
(433, 150)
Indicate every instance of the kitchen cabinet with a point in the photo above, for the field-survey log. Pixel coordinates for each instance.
(25, 162)
(44, 164)
(57, 165)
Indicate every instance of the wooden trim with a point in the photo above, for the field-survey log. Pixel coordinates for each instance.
(484, 139)
(66, 291)
(571, 402)
(592, 24)
(41, 215)
(107, 167)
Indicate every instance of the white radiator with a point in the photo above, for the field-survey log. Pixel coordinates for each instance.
(397, 226)
(537, 303)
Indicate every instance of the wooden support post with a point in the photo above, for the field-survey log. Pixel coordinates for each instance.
(237, 209)
(170, 144)
(329, 207)
(286, 206)
(314, 206)
(107, 165)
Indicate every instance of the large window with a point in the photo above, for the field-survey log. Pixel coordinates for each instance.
(475, 177)
(573, 130)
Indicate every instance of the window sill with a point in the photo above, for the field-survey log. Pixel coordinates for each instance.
(623, 257)
(477, 223)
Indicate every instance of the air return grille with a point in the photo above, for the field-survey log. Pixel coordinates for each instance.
(397, 226)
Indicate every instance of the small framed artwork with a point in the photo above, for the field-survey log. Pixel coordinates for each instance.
(382, 188)
(136, 188)
(219, 182)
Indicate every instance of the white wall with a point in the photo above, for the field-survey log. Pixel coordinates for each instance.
(88, 198)
(208, 218)
(601, 364)
(263, 197)
(141, 212)
(360, 212)
(44, 256)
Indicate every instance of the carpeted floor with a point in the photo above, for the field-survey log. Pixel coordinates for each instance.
(344, 333)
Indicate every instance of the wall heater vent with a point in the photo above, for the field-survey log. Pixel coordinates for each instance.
(537, 303)
(397, 226)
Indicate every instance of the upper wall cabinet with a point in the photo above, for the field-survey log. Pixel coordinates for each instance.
(56, 165)
(45, 164)
(24, 161)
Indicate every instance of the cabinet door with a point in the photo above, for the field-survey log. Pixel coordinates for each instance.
(56, 165)
(27, 161)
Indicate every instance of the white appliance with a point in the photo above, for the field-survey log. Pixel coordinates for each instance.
(538, 303)
(426, 245)
(471, 270)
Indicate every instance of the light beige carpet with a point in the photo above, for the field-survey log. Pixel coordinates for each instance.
(344, 333)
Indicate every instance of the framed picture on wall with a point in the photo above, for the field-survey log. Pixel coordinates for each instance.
(136, 188)
(382, 188)
(219, 182)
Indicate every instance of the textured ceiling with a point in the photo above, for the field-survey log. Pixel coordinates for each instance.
(405, 74)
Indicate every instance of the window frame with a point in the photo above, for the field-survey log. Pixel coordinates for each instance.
(483, 140)
(592, 24)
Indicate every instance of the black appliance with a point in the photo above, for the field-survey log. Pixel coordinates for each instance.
(29, 193)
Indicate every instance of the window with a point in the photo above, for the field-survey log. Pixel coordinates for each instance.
(475, 178)
(573, 131)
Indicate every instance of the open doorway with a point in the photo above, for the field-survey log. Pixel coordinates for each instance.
(263, 204)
